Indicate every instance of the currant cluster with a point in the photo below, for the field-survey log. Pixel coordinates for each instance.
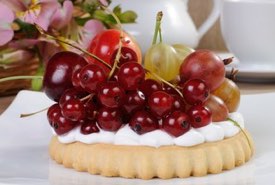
(87, 96)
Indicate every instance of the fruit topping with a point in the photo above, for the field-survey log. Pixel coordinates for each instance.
(199, 116)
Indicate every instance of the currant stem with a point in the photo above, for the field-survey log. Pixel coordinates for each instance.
(242, 130)
(86, 97)
(33, 113)
(42, 32)
(164, 81)
(20, 78)
(157, 27)
(118, 55)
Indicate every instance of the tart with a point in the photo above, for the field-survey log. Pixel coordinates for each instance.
(149, 162)
(127, 121)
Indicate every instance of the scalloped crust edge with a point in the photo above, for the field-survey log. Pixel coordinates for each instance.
(146, 162)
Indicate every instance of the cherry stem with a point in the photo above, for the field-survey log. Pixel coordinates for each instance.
(86, 97)
(242, 130)
(157, 27)
(43, 32)
(164, 81)
(33, 113)
(228, 60)
(118, 55)
(20, 78)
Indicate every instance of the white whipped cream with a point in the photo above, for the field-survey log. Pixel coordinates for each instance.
(215, 131)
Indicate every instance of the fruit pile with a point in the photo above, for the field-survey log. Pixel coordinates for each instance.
(107, 95)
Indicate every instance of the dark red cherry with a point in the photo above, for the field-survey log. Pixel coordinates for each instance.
(90, 76)
(195, 91)
(73, 110)
(143, 122)
(199, 115)
(58, 73)
(89, 127)
(109, 119)
(176, 124)
(134, 100)
(131, 75)
(160, 103)
(149, 86)
(111, 94)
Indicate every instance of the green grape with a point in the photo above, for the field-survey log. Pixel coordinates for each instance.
(162, 60)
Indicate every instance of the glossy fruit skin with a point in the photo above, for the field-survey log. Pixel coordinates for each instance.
(131, 75)
(160, 103)
(217, 107)
(90, 76)
(229, 92)
(161, 57)
(76, 80)
(89, 127)
(52, 113)
(111, 94)
(199, 116)
(204, 65)
(58, 73)
(71, 94)
(60, 124)
(195, 91)
(109, 119)
(178, 104)
(176, 124)
(143, 122)
(134, 100)
(149, 86)
(105, 45)
(91, 109)
(73, 110)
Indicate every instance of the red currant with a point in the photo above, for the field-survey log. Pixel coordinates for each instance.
(178, 103)
(143, 122)
(149, 86)
(73, 110)
(91, 110)
(90, 76)
(52, 113)
(176, 123)
(195, 91)
(89, 127)
(71, 94)
(134, 100)
(131, 75)
(109, 119)
(127, 55)
(160, 103)
(111, 94)
(199, 116)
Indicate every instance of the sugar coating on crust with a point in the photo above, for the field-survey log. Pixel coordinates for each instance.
(146, 162)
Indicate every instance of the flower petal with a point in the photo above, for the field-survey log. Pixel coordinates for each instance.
(5, 36)
(6, 14)
(63, 15)
(90, 30)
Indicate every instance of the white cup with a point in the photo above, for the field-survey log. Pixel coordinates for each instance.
(248, 28)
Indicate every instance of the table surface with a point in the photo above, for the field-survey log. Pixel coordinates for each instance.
(246, 88)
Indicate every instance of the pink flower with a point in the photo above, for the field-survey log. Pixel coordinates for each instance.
(63, 15)
(39, 12)
(6, 18)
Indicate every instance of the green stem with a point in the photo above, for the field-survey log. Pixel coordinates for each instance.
(42, 32)
(118, 55)
(33, 113)
(157, 27)
(242, 130)
(164, 81)
(20, 78)
(160, 35)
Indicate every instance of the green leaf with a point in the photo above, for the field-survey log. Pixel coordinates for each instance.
(128, 17)
(36, 84)
(117, 10)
